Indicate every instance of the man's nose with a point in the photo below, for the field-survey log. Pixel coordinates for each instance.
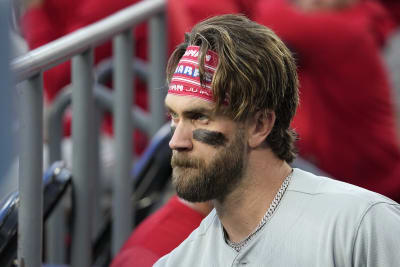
(181, 137)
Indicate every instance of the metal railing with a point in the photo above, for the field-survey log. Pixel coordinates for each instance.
(78, 46)
(6, 94)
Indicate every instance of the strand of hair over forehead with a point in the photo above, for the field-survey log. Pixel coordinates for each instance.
(225, 48)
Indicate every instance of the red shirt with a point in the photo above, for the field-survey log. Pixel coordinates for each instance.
(158, 234)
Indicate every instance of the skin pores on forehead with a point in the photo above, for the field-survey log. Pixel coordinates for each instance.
(212, 138)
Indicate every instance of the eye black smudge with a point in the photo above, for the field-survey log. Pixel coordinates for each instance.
(211, 138)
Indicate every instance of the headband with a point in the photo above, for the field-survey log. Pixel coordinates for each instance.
(186, 79)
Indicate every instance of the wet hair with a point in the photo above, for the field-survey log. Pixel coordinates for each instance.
(255, 70)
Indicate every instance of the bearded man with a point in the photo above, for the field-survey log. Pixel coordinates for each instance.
(233, 92)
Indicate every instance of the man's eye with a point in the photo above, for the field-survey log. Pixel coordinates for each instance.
(199, 117)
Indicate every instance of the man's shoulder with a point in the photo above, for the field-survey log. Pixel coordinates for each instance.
(328, 189)
(333, 200)
(187, 249)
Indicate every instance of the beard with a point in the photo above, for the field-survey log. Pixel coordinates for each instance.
(197, 181)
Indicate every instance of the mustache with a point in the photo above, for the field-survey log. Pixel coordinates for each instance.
(185, 161)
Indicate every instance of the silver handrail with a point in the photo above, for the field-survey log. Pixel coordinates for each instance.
(62, 49)
(78, 46)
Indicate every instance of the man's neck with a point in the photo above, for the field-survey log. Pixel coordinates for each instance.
(242, 210)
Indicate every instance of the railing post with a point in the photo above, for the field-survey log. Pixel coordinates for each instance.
(6, 118)
(55, 226)
(82, 112)
(158, 59)
(122, 186)
(97, 185)
(55, 236)
(30, 216)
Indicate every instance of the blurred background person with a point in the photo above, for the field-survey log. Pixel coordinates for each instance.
(346, 119)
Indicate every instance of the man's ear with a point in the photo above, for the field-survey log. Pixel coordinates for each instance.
(260, 126)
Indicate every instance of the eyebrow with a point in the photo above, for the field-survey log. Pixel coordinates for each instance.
(189, 112)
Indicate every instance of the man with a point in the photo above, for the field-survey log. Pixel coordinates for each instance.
(232, 94)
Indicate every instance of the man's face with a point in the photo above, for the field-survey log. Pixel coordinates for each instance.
(208, 150)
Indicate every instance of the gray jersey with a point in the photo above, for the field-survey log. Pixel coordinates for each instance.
(319, 222)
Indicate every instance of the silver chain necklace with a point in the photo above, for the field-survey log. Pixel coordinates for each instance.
(239, 245)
